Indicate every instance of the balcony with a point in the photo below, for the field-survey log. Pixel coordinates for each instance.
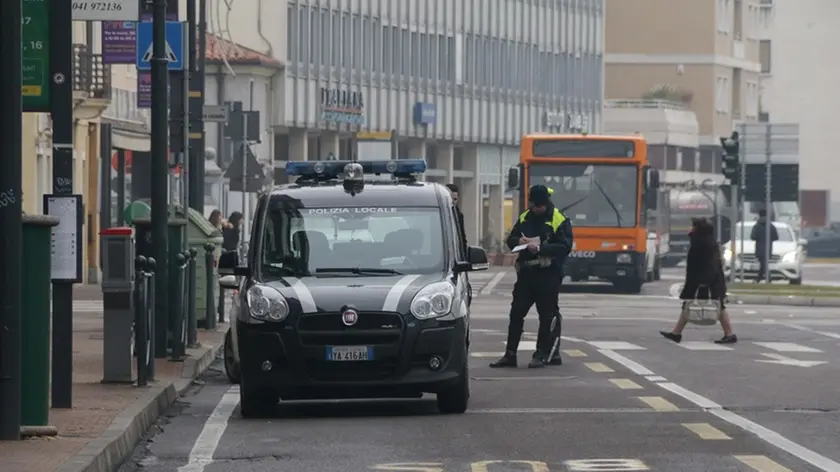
(91, 78)
(123, 111)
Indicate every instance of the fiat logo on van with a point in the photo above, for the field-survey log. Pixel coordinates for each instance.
(349, 317)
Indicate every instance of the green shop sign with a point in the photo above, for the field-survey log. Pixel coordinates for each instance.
(35, 55)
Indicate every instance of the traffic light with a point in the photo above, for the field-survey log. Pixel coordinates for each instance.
(731, 165)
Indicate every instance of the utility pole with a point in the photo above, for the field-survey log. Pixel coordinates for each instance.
(160, 169)
(731, 169)
(61, 108)
(11, 110)
(197, 45)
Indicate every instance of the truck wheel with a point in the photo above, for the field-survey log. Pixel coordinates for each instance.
(231, 367)
(253, 402)
(455, 399)
(657, 269)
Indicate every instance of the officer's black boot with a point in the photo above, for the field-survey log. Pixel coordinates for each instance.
(508, 360)
(556, 359)
(539, 360)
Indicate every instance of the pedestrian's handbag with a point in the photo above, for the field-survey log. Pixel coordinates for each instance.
(701, 312)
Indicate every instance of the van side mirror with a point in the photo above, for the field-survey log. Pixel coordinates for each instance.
(476, 260)
(513, 178)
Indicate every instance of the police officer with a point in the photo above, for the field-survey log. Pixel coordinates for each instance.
(539, 271)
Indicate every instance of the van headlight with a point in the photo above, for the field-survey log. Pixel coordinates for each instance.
(789, 257)
(433, 301)
(267, 304)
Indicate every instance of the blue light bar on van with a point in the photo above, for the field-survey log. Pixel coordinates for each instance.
(334, 169)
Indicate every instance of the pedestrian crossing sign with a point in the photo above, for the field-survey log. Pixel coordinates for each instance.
(175, 43)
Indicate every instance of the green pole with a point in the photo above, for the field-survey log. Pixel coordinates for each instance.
(35, 323)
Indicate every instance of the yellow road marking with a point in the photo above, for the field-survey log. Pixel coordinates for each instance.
(706, 431)
(574, 353)
(762, 464)
(598, 367)
(659, 404)
(626, 384)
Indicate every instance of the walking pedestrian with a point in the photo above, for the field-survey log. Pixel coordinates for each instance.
(548, 238)
(704, 280)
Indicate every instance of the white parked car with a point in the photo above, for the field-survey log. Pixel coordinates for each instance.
(787, 259)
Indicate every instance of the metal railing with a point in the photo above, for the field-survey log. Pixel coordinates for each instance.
(647, 104)
(91, 75)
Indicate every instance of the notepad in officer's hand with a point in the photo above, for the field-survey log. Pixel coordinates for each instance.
(520, 248)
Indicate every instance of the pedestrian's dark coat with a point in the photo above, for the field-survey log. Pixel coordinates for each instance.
(704, 277)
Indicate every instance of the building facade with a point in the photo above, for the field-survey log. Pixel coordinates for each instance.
(455, 82)
(704, 54)
(800, 86)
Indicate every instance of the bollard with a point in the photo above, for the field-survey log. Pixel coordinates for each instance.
(177, 341)
(151, 318)
(118, 285)
(192, 322)
(210, 289)
(142, 337)
(35, 324)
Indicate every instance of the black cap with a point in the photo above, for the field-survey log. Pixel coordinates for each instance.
(539, 195)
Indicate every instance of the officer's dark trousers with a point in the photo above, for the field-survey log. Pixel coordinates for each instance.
(534, 287)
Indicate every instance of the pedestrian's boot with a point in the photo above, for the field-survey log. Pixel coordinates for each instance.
(508, 360)
(539, 360)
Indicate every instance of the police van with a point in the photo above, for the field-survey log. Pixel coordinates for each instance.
(354, 287)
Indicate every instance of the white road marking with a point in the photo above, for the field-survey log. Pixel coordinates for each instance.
(491, 285)
(787, 347)
(207, 441)
(815, 459)
(558, 410)
(655, 378)
(571, 339)
(785, 360)
(703, 346)
(616, 346)
(810, 330)
(637, 369)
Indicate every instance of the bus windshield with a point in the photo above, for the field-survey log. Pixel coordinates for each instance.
(592, 195)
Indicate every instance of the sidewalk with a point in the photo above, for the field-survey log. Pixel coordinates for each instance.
(106, 420)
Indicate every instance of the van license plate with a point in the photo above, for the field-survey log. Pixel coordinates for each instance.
(349, 353)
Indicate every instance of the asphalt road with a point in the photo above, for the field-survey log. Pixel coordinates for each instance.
(625, 400)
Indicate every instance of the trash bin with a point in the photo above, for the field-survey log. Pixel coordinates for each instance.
(35, 323)
(199, 233)
(137, 209)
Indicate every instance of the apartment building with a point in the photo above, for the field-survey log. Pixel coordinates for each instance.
(702, 54)
(799, 85)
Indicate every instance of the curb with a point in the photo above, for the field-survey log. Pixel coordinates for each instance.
(108, 452)
(785, 300)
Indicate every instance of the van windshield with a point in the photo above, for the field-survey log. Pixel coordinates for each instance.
(315, 241)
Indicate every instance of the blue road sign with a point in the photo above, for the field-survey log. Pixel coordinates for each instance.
(174, 45)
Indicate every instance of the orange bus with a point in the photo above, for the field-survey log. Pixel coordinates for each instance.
(606, 187)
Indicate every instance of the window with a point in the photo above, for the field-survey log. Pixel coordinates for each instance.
(765, 55)
(292, 39)
(335, 39)
(599, 195)
(367, 38)
(413, 60)
(378, 48)
(326, 38)
(751, 105)
(303, 23)
(315, 46)
(303, 240)
(724, 16)
(722, 95)
(346, 41)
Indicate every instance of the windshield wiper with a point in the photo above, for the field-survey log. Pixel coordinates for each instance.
(564, 209)
(607, 198)
(357, 271)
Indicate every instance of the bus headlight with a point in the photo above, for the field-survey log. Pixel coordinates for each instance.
(624, 258)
